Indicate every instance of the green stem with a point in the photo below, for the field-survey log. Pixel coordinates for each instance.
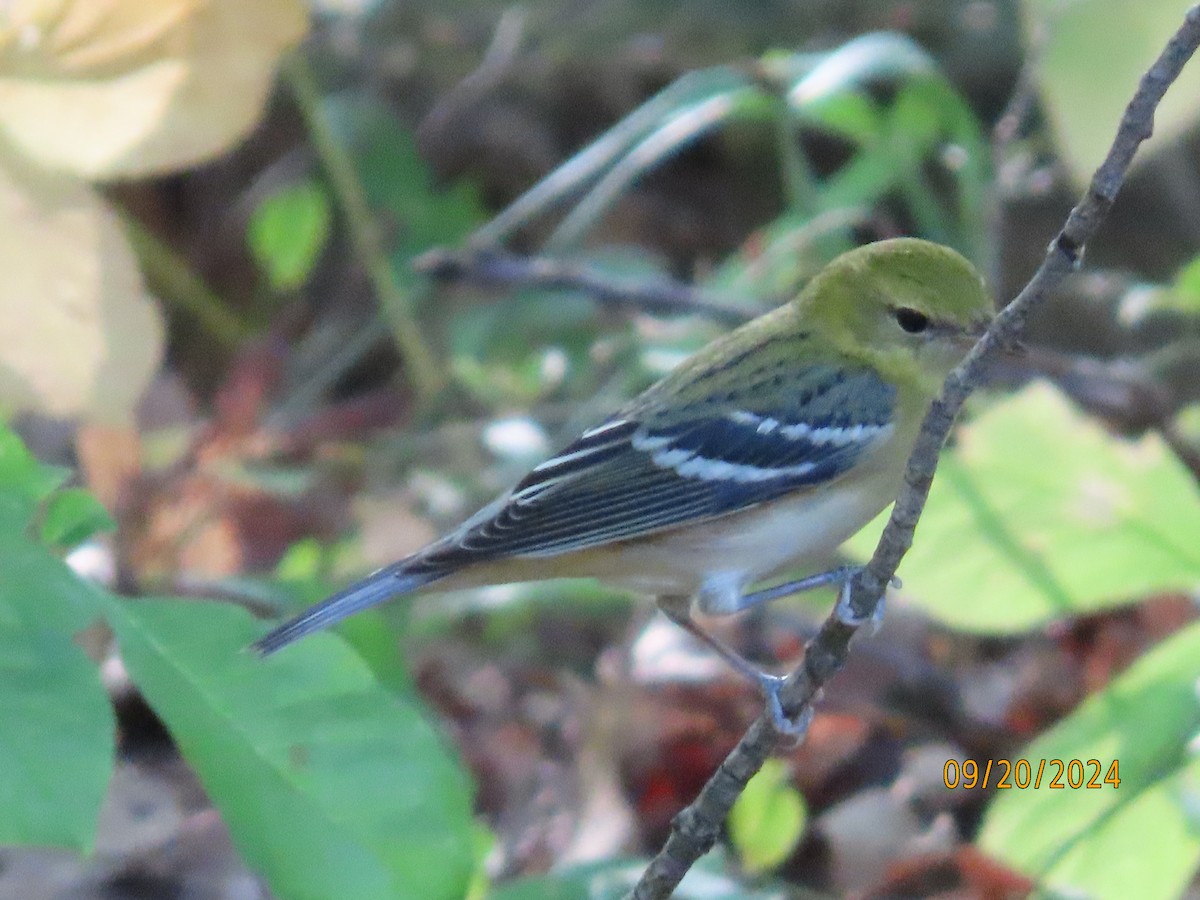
(176, 284)
(426, 375)
(798, 181)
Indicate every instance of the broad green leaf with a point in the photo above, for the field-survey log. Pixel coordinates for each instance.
(56, 741)
(332, 786)
(304, 571)
(72, 516)
(288, 231)
(1038, 514)
(24, 480)
(36, 587)
(1140, 838)
(1088, 66)
(767, 820)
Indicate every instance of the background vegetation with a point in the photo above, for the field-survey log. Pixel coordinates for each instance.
(268, 320)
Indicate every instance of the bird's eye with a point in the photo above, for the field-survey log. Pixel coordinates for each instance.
(911, 320)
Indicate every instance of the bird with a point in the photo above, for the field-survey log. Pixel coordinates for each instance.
(757, 456)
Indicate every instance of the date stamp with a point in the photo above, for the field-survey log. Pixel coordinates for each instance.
(1022, 774)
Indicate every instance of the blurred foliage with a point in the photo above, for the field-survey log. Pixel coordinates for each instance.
(288, 231)
(361, 790)
(910, 158)
(1186, 293)
(322, 761)
(57, 746)
(418, 212)
(189, 80)
(1090, 55)
(1126, 826)
(1064, 520)
(768, 819)
(332, 784)
(909, 147)
(71, 516)
(64, 245)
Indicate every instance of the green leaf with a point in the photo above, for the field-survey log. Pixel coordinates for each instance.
(767, 820)
(288, 231)
(1186, 289)
(303, 570)
(331, 785)
(1038, 514)
(24, 481)
(72, 516)
(399, 184)
(57, 742)
(1141, 838)
(1089, 61)
(57, 737)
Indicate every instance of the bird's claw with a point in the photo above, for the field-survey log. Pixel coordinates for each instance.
(847, 616)
(795, 728)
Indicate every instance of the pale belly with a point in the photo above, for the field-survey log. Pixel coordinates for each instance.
(746, 547)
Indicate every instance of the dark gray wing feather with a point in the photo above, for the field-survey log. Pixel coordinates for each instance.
(648, 469)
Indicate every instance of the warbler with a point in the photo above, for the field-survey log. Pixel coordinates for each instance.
(760, 454)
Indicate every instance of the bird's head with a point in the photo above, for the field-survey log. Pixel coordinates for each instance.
(905, 306)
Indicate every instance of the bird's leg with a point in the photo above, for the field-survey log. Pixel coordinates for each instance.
(840, 576)
(845, 612)
(679, 610)
(723, 597)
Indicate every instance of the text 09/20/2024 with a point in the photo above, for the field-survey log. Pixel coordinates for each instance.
(1055, 774)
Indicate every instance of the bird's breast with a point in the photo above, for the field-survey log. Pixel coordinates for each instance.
(745, 546)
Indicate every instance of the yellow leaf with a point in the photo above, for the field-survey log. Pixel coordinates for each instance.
(119, 88)
(78, 335)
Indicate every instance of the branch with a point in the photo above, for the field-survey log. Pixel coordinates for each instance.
(696, 828)
(658, 295)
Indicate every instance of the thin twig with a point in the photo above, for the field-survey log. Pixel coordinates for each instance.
(496, 62)
(422, 366)
(178, 285)
(658, 295)
(696, 828)
(1021, 104)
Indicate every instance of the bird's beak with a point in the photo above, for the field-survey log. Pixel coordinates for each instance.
(964, 338)
(1012, 349)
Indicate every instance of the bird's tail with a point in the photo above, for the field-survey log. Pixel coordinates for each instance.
(375, 588)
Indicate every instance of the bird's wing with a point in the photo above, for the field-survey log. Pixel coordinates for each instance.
(656, 467)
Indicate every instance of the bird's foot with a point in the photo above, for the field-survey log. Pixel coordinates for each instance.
(795, 728)
(846, 614)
